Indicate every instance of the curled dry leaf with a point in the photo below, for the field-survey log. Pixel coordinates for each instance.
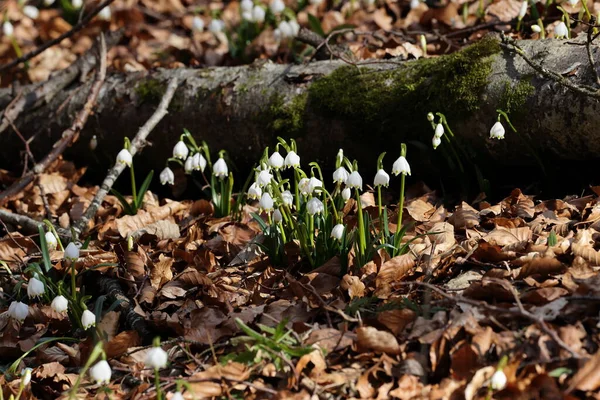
(160, 272)
(396, 320)
(354, 286)
(464, 216)
(131, 223)
(588, 377)
(135, 262)
(392, 271)
(371, 339)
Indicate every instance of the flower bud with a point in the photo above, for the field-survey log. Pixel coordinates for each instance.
(536, 28)
(435, 142)
(346, 193)
(523, 10)
(498, 380)
(31, 11)
(277, 216)
(430, 117)
(25, 376)
(189, 165)
(51, 241)
(439, 131)
(8, 29)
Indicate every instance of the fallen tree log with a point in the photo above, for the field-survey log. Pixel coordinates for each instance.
(365, 109)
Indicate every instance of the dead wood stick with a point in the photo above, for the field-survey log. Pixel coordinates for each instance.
(136, 144)
(68, 136)
(28, 224)
(59, 39)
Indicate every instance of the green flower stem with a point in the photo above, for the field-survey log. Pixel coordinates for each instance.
(97, 352)
(73, 283)
(400, 211)
(362, 242)
(133, 186)
(311, 229)
(159, 395)
(296, 190)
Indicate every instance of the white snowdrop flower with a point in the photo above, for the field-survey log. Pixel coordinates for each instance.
(197, 24)
(430, 117)
(381, 178)
(292, 160)
(498, 380)
(51, 241)
(315, 206)
(18, 311)
(277, 34)
(497, 131)
(264, 178)
(31, 11)
(414, 4)
(77, 3)
(340, 175)
(247, 15)
(88, 319)
(105, 14)
(258, 14)
(401, 166)
(277, 6)
(167, 176)
(8, 29)
(536, 28)
(354, 181)
(337, 232)
(346, 193)
(435, 142)
(573, 3)
(303, 186)
(246, 5)
(314, 184)
(288, 198)
(340, 156)
(35, 287)
(276, 161)
(124, 157)
(220, 169)
(277, 216)
(177, 396)
(156, 358)
(216, 25)
(101, 372)
(60, 304)
(71, 252)
(254, 191)
(439, 131)
(199, 162)
(26, 376)
(295, 27)
(266, 202)
(48, 3)
(180, 150)
(189, 165)
(369, 2)
(316, 2)
(523, 9)
(286, 29)
(561, 31)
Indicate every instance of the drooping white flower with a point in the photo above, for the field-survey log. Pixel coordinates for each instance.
(497, 131)
(277, 6)
(381, 178)
(197, 24)
(277, 35)
(88, 319)
(536, 28)
(340, 175)
(198, 162)
(8, 29)
(346, 193)
(314, 184)
(439, 131)
(286, 29)
(77, 3)
(435, 142)
(266, 202)
(288, 198)
(156, 358)
(277, 216)
(561, 30)
(246, 5)
(315, 206)
(177, 396)
(258, 14)
(414, 4)
(401, 166)
(26, 376)
(105, 14)
(254, 191)
(276, 161)
(292, 160)
(51, 241)
(60, 304)
(303, 186)
(264, 178)
(337, 232)
(124, 157)
(18, 311)
(180, 150)
(189, 165)
(31, 11)
(220, 169)
(216, 25)
(101, 372)
(295, 27)
(498, 380)
(35, 287)
(573, 3)
(354, 181)
(167, 176)
(523, 9)
(72, 252)
(247, 15)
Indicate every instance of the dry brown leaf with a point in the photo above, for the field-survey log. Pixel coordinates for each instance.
(541, 266)
(392, 271)
(588, 376)
(420, 210)
(121, 343)
(508, 236)
(464, 216)
(396, 320)
(330, 339)
(316, 358)
(354, 286)
(131, 223)
(369, 338)
(160, 272)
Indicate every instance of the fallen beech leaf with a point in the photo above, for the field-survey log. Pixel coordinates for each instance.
(369, 338)
(160, 272)
(396, 320)
(316, 358)
(588, 377)
(420, 210)
(392, 271)
(121, 343)
(330, 339)
(354, 286)
(541, 266)
(481, 376)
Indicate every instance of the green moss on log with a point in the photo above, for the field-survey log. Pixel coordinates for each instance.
(452, 84)
(287, 117)
(150, 91)
(515, 96)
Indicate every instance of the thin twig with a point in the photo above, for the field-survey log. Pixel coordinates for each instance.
(79, 26)
(136, 144)
(588, 48)
(68, 136)
(28, 224)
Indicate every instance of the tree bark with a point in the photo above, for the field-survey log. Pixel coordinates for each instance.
(326, 105)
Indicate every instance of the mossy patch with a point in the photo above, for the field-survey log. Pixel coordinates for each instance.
(150, 91)
(514, 97)
(452, 84)
(287, 117)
